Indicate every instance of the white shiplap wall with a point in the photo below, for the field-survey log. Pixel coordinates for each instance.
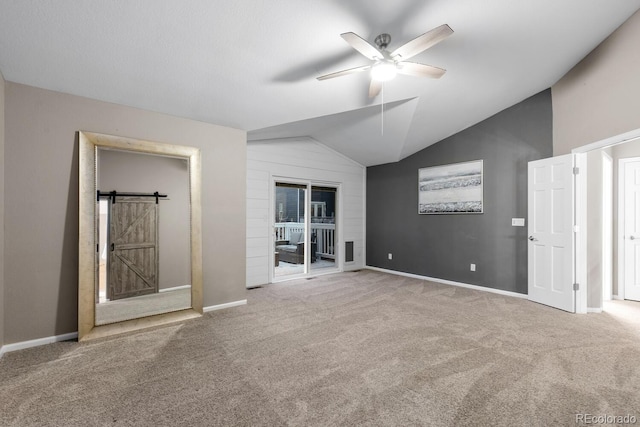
(303, 159)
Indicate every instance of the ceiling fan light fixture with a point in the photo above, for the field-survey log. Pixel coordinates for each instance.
(384, 71)
(387, 64)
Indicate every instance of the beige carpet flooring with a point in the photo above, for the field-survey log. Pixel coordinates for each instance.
(362, 348)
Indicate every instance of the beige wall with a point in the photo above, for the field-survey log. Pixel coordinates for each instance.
(599, 97)
(2, 85)
(41, 201)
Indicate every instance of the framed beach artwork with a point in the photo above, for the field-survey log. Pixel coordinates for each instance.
(451, 189)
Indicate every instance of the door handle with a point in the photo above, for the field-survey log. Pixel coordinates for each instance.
(113, 247)
(533, 239)
(632, 237)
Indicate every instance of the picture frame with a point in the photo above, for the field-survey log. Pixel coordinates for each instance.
(455, 188)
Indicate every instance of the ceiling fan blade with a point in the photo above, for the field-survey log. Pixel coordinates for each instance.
(422, 42)
(374, 88)
(344, 72)
(420, 70)
(361, 45)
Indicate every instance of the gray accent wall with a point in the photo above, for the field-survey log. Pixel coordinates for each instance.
(444, 246)
(41, 202)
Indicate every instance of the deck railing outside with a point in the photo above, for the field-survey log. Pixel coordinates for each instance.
(325, 236)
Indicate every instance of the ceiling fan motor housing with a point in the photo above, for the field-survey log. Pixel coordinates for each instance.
(383, 40)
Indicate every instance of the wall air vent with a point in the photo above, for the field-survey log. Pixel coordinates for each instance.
(348, 251)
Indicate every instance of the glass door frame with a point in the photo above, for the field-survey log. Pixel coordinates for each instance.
(307, 270)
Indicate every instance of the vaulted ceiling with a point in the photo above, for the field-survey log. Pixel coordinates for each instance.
(252, 64)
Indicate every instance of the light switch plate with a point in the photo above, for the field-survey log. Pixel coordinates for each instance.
(517, 222)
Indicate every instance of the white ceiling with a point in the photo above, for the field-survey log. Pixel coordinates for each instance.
(252, 64)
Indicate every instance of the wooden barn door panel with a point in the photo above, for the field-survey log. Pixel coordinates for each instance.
(133, 256)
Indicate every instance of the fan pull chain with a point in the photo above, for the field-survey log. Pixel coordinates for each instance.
(382, 112)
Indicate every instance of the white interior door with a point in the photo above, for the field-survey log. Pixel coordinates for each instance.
(631, 233)
(551, 232)
(607, 226)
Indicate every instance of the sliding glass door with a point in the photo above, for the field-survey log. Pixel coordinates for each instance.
(304, 229)
(323, 227)
(290, 230)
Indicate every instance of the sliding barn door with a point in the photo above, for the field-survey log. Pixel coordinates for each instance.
(133, 256)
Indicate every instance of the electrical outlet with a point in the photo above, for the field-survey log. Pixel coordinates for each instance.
(390, 256)
(473, 267)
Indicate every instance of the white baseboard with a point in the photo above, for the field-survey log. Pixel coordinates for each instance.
(617, 297)
(35, 343)
(175, 288)
(223, 306)
(74, 335)
(594, 310)
(449, 282)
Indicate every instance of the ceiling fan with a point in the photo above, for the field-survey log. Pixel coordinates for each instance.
(387, 64)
